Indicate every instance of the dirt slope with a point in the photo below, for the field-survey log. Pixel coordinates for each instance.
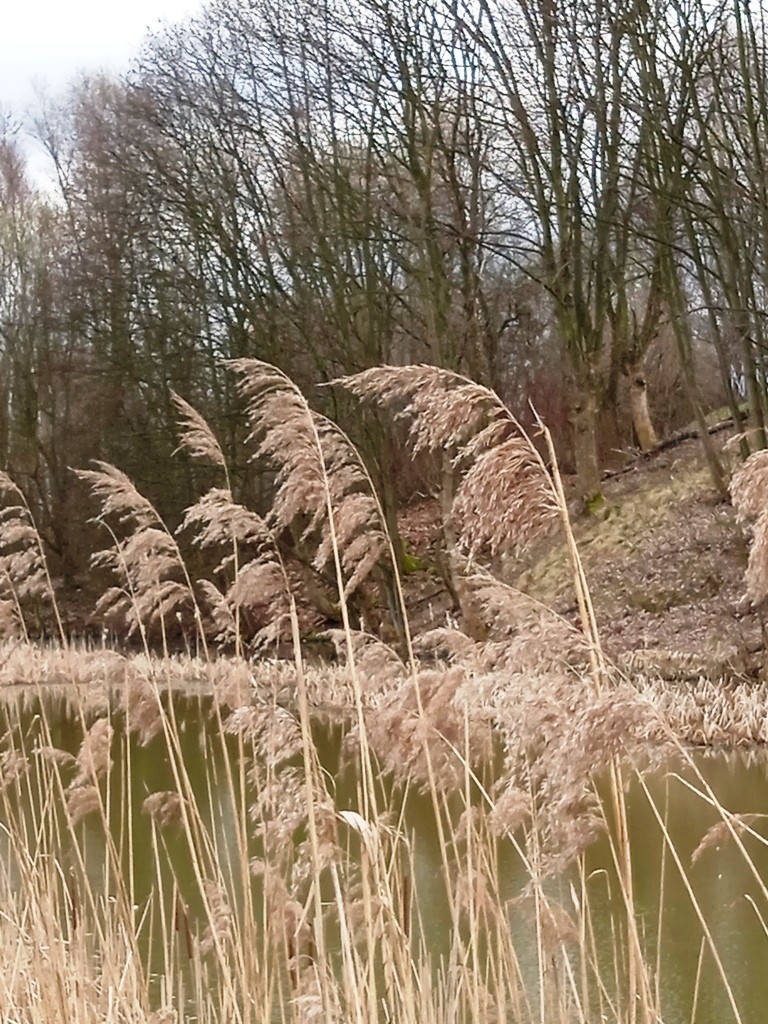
(665, 561)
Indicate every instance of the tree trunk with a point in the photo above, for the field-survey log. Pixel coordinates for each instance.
(584, 420)
(682, 331)
(638, 400)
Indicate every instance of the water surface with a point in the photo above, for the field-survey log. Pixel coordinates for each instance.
(724, 882)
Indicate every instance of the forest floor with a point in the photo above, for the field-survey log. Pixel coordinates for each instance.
(665, 561)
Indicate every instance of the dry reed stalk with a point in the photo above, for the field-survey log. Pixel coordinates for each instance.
(706, 931)
(259, 587)
(322, 479)
(219, 930)
(48, 973)
(447, 412)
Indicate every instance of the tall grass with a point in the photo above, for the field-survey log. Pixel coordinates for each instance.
(254, 885)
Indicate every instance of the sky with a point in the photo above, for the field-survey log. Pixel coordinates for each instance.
(49, 42)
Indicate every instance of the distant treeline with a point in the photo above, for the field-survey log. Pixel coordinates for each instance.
(561, 199)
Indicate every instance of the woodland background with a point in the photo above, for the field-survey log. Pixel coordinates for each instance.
(565, 200)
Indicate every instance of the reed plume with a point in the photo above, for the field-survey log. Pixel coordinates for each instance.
(749, 493)
(94, 760)
(146, 558)
(259, 589)
(506, 498)
(417, 732)
(196, 437)
(320, 475)
(256, 598)
(25, 580)
(558, 736)
(164, 807)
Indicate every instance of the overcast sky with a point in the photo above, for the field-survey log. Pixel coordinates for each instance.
(51, 41)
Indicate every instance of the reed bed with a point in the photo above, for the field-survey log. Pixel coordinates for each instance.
(695, 710)
(258, 878)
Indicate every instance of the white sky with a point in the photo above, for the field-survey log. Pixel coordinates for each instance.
(51, 41)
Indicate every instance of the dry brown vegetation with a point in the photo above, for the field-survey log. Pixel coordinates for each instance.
(308, 910)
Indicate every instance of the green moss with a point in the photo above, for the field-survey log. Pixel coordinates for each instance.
(410, 563)
(595, 504)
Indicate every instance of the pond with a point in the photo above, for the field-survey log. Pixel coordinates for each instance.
(703, 928)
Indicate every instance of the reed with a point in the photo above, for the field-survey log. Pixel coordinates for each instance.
(265, 876)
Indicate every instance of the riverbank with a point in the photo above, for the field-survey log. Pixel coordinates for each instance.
(686, 708)
(665, 560)
(663, 555)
